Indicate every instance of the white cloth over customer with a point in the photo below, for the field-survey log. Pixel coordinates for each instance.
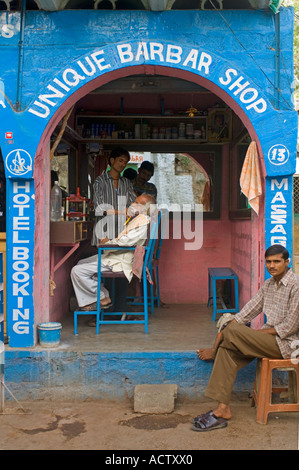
(82, 275)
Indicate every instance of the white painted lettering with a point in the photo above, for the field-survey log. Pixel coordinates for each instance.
(259, 106)
(253, 95)
(284, 184)
(16, 289)
(125, 53)
(62, 85)
(18, 314)
(100, 61)
(21, 223)
(156, 49)
(21, 327)
(20, 253)
(228, 76)
(278, 229)
(46, 98)
(92, 69)
(279, 241)
(21, 199)
(279, 197)
(142, 51)
(205, 62)
(42, 106)
(74, 79)
(20, 265)
(21, 209)
(237, 84)
(192, 57)
(7, 31)
(20, 277)
(15, 238)
(173, 54)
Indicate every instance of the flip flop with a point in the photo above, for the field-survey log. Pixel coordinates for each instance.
(209, 422)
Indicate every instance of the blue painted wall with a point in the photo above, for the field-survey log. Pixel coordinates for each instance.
(63, 51)
(53, 40)
(60, 375)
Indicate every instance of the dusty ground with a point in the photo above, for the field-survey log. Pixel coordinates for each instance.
(110, 427)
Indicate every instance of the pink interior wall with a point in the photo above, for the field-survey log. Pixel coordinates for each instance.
(184, 274)
(60, 300)
(241, 257)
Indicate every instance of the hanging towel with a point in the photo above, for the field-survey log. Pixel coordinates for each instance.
(138, 261)
(138, 264)
(250, 179)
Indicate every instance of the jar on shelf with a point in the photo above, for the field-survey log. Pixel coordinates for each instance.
(137, 130)
(155, 133)
(174, 132)
(144, 129)
(189, 131)
(182, 130)
(162, 133)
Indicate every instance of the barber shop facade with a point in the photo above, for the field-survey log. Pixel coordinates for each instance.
(222, 80)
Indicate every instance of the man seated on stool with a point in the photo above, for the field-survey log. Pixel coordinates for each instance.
(237, 345)
(83, 275)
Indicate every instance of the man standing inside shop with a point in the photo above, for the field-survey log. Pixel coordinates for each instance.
(113, 193)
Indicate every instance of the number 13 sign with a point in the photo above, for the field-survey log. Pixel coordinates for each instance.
(278, 154)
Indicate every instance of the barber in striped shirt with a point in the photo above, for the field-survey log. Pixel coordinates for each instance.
(113, 193)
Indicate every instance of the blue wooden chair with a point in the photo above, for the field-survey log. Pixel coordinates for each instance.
(153, 267)
(100, 313)
(162, 219)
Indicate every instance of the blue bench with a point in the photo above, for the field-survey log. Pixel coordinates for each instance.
(216, 274)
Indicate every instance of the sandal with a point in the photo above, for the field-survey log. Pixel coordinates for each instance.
(209, 422)
(198, 417)
(89, 308)
(93, 307)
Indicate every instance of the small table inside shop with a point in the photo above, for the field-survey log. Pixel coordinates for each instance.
(226, 274)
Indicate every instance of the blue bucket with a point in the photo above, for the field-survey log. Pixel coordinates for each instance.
(49, 334)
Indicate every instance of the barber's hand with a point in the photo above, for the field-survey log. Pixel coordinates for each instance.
(104, 240)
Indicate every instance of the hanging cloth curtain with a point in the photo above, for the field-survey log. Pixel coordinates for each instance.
(250, 179)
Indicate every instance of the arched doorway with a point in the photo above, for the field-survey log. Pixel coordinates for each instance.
(41, 170)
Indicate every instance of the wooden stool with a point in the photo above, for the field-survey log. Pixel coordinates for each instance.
(263, 389)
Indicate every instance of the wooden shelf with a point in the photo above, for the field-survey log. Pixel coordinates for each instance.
(123, 127)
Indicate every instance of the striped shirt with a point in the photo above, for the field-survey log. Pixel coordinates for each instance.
(106, 196)
(280, 303)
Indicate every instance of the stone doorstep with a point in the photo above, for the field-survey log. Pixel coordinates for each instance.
(155, 398)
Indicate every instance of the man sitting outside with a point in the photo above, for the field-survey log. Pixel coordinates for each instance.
(83, 275)
(238, 345)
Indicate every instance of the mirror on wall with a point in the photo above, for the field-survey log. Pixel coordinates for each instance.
(181, 178)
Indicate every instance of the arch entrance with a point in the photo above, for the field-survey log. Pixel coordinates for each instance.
(247, 233)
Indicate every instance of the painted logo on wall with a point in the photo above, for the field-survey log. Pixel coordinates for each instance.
(18, 162)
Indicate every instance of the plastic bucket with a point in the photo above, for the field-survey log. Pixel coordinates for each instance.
(49, 334)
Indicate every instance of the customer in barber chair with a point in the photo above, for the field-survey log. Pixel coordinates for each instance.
(83, 275)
